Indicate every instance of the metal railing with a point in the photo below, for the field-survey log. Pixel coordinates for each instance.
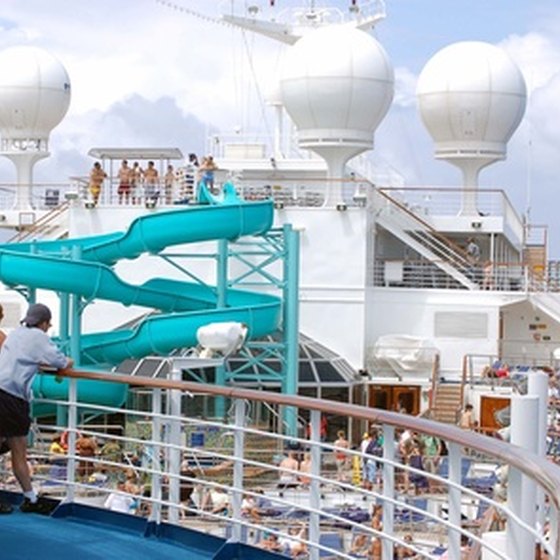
(497, 276)
(162, 466)
(447, 201)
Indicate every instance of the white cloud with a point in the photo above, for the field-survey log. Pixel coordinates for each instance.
(405, 87)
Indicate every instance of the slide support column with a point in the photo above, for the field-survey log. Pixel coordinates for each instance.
(222, 284)
(290, 323)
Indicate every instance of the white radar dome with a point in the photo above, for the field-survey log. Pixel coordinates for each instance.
(34, 93)
(337, 85)
(472, 97)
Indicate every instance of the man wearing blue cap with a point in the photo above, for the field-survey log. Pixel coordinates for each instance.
(25, 349)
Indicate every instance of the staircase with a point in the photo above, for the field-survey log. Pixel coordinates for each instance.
(447, 401)
(50, 227)
(412, 230)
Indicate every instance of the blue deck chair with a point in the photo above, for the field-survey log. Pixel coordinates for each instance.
(405, 515)
(443, 469)
(332, 541)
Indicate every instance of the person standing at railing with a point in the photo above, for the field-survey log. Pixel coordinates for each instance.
(206, 170)
(151, 179)
(25, 349)
(473, 255)
(125, 176)
(96, 178)
(136, 178)
(169, 180)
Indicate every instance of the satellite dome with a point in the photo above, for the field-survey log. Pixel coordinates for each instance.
(472, 97)
(34, 94)
(337, 85)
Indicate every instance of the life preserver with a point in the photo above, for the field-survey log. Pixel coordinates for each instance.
(64, 438)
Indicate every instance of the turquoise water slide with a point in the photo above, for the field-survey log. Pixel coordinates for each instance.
(183, 306)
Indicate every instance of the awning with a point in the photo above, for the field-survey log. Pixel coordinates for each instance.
(136, 153)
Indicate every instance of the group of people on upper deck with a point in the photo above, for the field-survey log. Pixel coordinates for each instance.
(137, 185)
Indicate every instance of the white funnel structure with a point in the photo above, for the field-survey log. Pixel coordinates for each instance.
(337, 85)
(472, 97)
(34, 97)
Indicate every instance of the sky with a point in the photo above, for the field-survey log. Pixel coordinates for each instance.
(146, 75)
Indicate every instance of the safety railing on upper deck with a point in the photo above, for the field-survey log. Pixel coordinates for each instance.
(497, 276)
(223, 477)
(447, 201)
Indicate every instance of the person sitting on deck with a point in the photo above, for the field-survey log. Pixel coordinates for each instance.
(118, 501)
(288, 479)
(270, 542)
(360, 545)
(402, 551)
(293, 545)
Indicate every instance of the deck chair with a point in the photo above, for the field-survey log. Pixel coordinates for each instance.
(229, 532)
(332, 541)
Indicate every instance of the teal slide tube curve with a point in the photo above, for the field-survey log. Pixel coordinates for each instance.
(183, 307)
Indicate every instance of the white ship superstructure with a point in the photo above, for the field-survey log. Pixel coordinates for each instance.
(423, 298)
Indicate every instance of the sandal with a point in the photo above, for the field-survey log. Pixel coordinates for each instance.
(5, 508)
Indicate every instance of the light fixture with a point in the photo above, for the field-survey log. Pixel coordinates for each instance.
(150, 204)
(341, 207)
(476, 225)
(89, 204)
(278, 205)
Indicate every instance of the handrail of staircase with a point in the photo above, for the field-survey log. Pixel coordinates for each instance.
(463, 382)
(446, 242)
(435, 376)
(40, 224)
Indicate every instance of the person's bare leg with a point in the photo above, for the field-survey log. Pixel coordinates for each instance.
(18, 445)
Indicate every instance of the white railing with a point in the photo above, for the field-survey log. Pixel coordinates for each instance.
(497, 276)
(163, 451)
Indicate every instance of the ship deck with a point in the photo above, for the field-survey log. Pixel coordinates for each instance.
(89, 533)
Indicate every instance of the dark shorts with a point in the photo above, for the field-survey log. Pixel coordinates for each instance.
(14, 416)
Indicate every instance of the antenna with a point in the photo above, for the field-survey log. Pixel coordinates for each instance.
(190, 12)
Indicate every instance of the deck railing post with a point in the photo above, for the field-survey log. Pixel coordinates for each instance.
(314, 485)
(388, 489)
(155, 458)
(521, 499)
(72, 427)
(174, 446)
(454, 501)
(538, 386)
(238, 467)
